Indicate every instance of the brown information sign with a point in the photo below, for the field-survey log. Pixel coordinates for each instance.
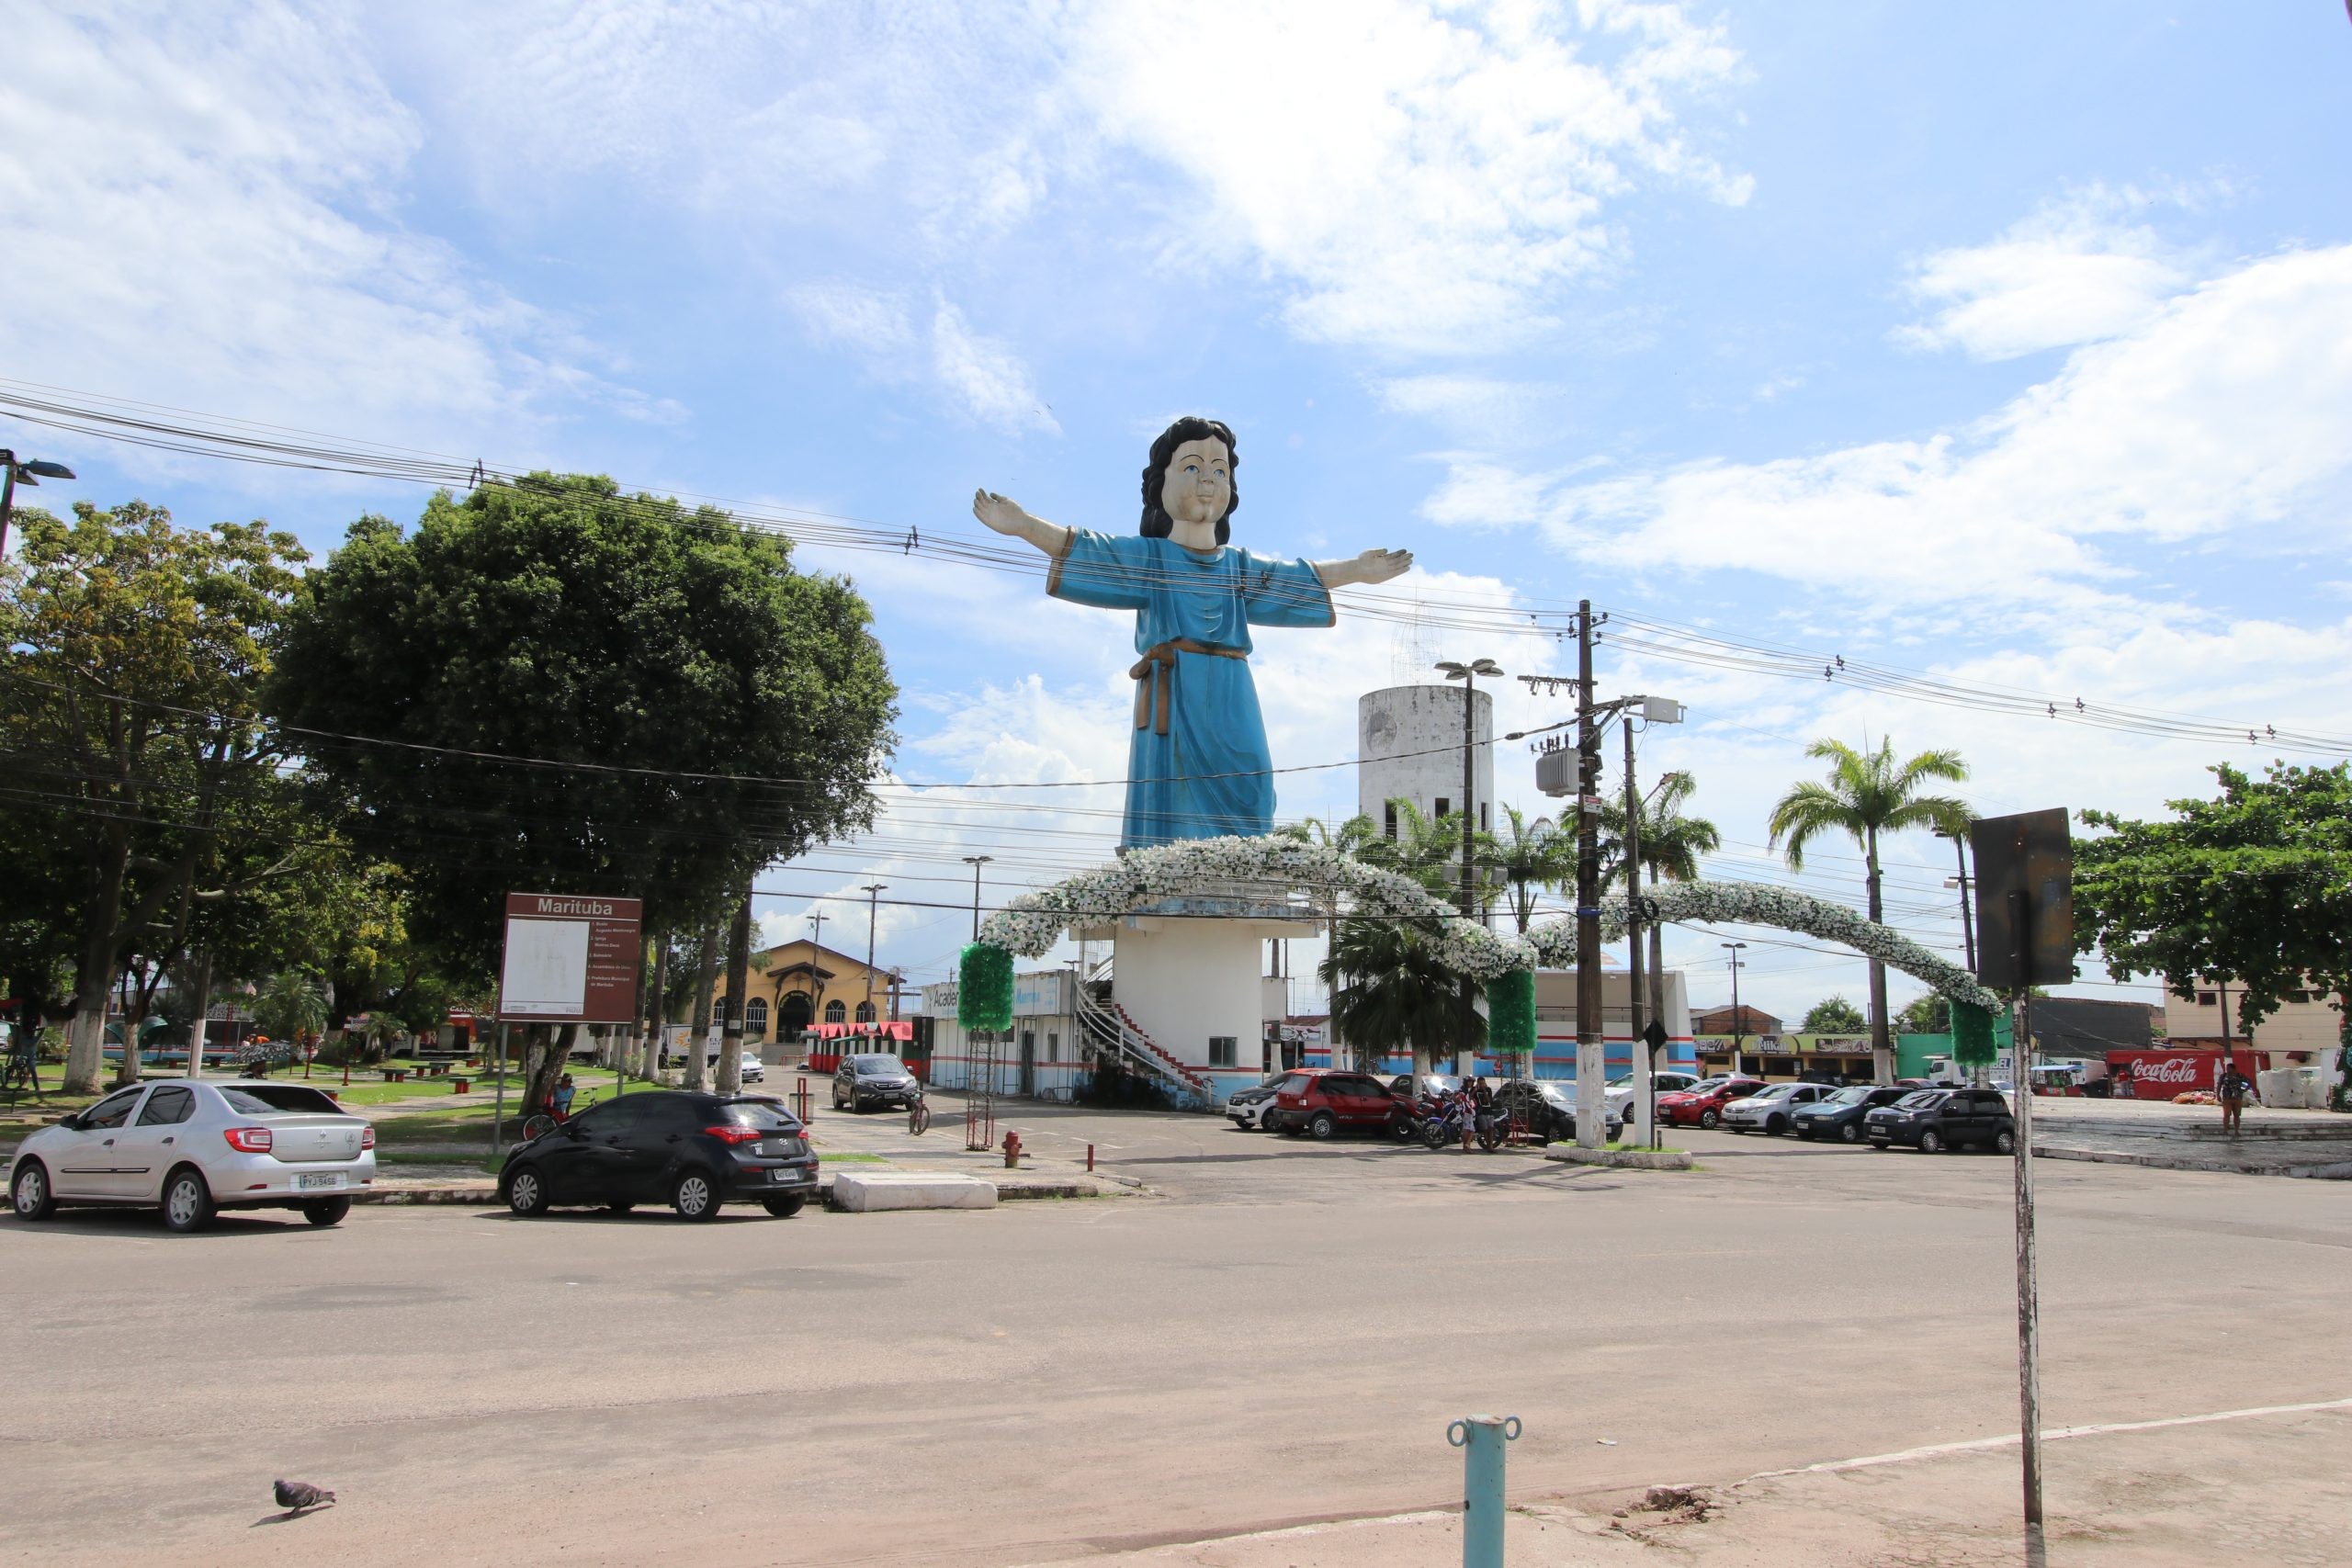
(570, 959)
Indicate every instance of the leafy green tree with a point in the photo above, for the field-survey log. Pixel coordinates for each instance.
(1671, 843)
(2253, 888)
(550, 686)
(1928, 1014)
(1866, 794)
(1833, 1015)
(292, 1004)
(129, 718)
(1530, 858)
(1390, 992)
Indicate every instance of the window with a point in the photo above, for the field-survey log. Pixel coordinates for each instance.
(1222, 1050)
(166, 1105)
(1443, 806)
(1482, 816)
(112, 1113)
(262, 1099)
(1388, 825)
(865, 1013)
(718, 1012)
(1053, 1046)
(2205, 999)
(836, 1012)
(755, 1016)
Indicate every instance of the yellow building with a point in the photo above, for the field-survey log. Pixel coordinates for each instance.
(801, 983)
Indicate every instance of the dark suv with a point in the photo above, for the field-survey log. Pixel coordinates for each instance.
(861, 1081)
(1939, 1119)
(1319, 1101)
(694, 1152)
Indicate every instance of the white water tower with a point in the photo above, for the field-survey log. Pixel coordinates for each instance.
(1409, 745)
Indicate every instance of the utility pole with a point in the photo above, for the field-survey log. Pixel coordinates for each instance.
(976, 862)
(1641, 1062)
(1739, 1019)
(31, 473)
(1592, 1054)
(1468, 675)
(1964, 882)
(739, 981)
(872, 891)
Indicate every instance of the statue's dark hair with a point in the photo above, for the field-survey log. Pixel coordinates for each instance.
(1157, 524)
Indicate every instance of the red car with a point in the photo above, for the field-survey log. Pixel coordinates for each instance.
(1704, 1106)
(1319, 1102)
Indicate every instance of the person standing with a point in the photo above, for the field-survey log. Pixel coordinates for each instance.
(2234, 1089)
(2121, 1087)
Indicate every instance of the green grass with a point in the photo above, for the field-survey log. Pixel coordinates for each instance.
(850, 1159)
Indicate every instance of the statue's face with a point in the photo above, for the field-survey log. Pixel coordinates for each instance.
(1199, 485)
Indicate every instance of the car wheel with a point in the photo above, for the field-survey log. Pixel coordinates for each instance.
(785, 1208)
(30, 1194)
(1321, 1125)
(526, 1192)
(837, 1099)
(1401, 1127)
(1851, 1133)
(188, 1200)
(1709, 1119)
(1881, 1145)
(2004, 1143)
(327, 1211)
(1931, 1142)
(1775, 1127)
(694, 1195)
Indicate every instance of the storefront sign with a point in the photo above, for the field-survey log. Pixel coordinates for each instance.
(2160, 1074)
(570, 959)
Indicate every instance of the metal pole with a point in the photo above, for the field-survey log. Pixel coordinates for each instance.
(1739, 1019)
(1469, 815)
(1967, 919)
(872, 891)
(498, 1115)
(976, 862)
(1592, 1065)
(8, 495)
(1481, 1440)
(2029, 1309)
(1640, 1049)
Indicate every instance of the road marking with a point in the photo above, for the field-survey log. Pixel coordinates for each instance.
(2049, 1435)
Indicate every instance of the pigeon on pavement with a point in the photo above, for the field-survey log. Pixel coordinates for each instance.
(295, 1497)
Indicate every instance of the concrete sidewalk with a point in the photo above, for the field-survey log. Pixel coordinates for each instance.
(2241, 1486)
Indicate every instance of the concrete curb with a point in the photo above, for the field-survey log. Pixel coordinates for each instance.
(2336, 1171)
(485, 1193)
(1623, 1160)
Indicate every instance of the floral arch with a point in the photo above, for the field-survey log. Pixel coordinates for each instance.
(1032, 922)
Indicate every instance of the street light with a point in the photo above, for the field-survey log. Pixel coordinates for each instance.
(1963, 882)
(976, 862)
(31, 471)
(1738, 1017)
(872, 891)
(1468, 675)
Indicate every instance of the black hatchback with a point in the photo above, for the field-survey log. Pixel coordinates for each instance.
(1840, 1115)
(694, 1152)
(1935, 1120)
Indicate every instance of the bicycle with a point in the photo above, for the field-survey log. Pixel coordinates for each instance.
(543, 1122)
(919, 1113)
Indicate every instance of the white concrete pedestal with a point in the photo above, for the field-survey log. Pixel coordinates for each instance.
(1186, 980)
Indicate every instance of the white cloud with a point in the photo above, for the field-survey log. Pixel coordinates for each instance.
(850, 316)
(198, 212)
(2220, 413)
(985, 377)
(980, 377)
(2072, 273)
(1419, 176)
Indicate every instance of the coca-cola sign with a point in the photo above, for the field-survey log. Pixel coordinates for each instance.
(2156, 1072)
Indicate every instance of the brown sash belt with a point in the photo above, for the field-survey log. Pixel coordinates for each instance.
(1152, 673)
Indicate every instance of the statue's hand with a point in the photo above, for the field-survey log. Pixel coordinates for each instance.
(1000, 512)
(1379, 565)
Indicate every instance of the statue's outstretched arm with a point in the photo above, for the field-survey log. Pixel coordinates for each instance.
(1372, 565)
(1004, 514)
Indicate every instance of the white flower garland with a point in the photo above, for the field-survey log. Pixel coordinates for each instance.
(1747, 904)
(1034, 921)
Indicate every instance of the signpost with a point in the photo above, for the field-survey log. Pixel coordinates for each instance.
(567, 958)
(2025, 912)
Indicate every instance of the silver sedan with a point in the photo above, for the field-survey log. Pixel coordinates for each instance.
(192, 1149)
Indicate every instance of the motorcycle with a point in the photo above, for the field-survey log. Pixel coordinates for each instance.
(1444, 1122)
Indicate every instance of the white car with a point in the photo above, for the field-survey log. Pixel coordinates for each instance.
(753, 1071)
(1621, 1092)
(1767, 1111)
(192, 1149)
(1248, 1106)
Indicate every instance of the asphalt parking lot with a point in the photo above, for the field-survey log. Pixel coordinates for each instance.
(1278, 1331)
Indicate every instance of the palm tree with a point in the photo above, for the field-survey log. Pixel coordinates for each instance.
(1671, 844)
(1531, 857)
(1390, 993)
(1868, 794)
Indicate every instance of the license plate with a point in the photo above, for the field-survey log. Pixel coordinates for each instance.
(786, 1175)
(325, 1182)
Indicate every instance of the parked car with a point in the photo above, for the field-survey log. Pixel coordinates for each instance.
(1319, 1102)
(1702, 1104)
(864, 1081)
(695, 1152)
(1247, 1107)
(192, 1149)
(1840, 1115)
(1934, 1120)
(1411, 1087)
(1622, 1092)
(753, 1071)
(1550, 1109)
(1770, 1109)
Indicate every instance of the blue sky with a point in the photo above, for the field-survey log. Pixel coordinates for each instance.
(2011, 342)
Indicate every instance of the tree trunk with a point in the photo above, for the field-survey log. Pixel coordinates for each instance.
(659, 1014)
(199, 980)
(1657, 962)
(739, 982)
(94, 976)
(698, 1034)
(1882, 1039)
(553, 1058)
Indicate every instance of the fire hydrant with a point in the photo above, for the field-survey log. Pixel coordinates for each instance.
(1012, 1150)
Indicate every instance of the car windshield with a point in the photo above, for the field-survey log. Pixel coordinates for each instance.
(1439, 1083)
(878, 1067)
(1555, 1094)
(1848, 1097)
(758, 1110)
(276, 1099)
(1919, 1097)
